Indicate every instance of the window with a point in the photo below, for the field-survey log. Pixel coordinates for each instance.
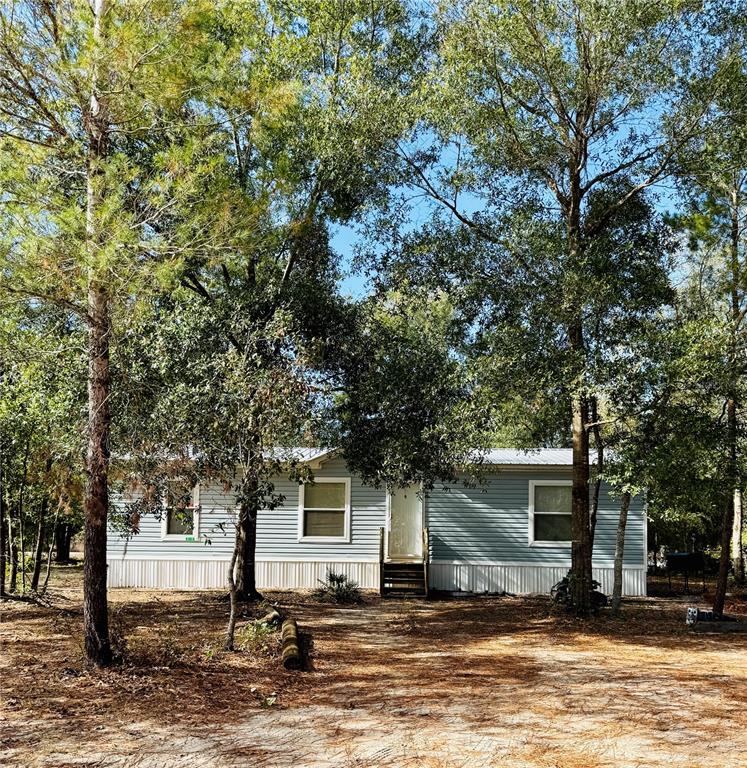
(181, 516)
(549, 511)
(324, 510)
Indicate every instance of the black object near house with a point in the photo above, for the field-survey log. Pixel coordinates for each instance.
(686, 563)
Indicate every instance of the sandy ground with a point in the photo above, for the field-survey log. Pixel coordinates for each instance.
(471, 682)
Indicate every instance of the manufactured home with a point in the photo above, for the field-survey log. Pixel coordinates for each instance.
(509, 533)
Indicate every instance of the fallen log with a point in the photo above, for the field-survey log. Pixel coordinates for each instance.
(715, 627)
(291, 650)
(273, 618)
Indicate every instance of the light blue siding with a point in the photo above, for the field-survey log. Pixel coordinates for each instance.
(490, 523)
(214, 505)
(277, 530)
(485, 524)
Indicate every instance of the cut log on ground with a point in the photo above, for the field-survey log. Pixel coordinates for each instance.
(273, 618)
(716, 627)
(291, 650)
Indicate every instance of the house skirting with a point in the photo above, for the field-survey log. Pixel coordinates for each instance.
(212, 574)
(521, 578)
(477, 577)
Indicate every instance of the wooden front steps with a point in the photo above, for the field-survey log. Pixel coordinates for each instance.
(403, 579)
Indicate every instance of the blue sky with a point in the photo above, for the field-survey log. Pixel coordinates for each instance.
(345, 238)
(352, 283)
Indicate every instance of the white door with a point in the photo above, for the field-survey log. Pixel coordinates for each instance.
(405, 536)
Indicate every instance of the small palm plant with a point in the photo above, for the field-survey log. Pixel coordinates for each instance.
(338, 588)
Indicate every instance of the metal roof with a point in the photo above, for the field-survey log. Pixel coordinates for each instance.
(534, 457)
(550, 457)
(303, 455)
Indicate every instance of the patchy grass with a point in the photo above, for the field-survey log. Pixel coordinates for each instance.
(470, 682)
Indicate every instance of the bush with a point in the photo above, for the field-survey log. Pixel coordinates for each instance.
(562, 593)
(338, 588)
(258, 637)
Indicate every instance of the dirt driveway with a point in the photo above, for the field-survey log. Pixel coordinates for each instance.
(473, 682)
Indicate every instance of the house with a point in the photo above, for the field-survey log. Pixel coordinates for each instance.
(509, 533)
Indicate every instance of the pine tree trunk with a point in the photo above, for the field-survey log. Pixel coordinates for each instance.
(617, 586)
(49, 553)
(39, 548)
(728, 521)
(13, 557)
(40, 537)
(3, 531)
(21, 553)
(63, 533)
(737, 552)
(21, 501)
(96, 500)
(95, 609)
(581, 547)
(722, 581)
(733, 511)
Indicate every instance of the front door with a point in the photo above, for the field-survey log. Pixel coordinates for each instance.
(405, 535)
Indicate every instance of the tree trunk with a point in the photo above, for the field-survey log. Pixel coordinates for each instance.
(12, 557)
(737, 553)
(96, 500)
(63, 533)
(40, 529)
(246, 546)
(95, 609)
(580, 519)
(21, 555)
(617, 587)
(599, 445)
(49, 552)
(3, 531)
(233, 614)
(39, 548)
(728, 521)
(21, 500)
(581, 546)
(734, 498)
(723, 566)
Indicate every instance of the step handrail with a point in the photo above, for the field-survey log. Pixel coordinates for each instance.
(426, 558)
(381, 561)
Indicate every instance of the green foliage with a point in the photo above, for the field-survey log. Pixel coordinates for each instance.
(242, 134)
(258, 637)
(562, 593)
(697, 456)
(407, 410)
(338, 588)
(41, 386)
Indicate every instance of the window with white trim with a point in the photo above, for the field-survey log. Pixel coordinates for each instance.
(324, 510)
(181, 514)
(549, 511)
